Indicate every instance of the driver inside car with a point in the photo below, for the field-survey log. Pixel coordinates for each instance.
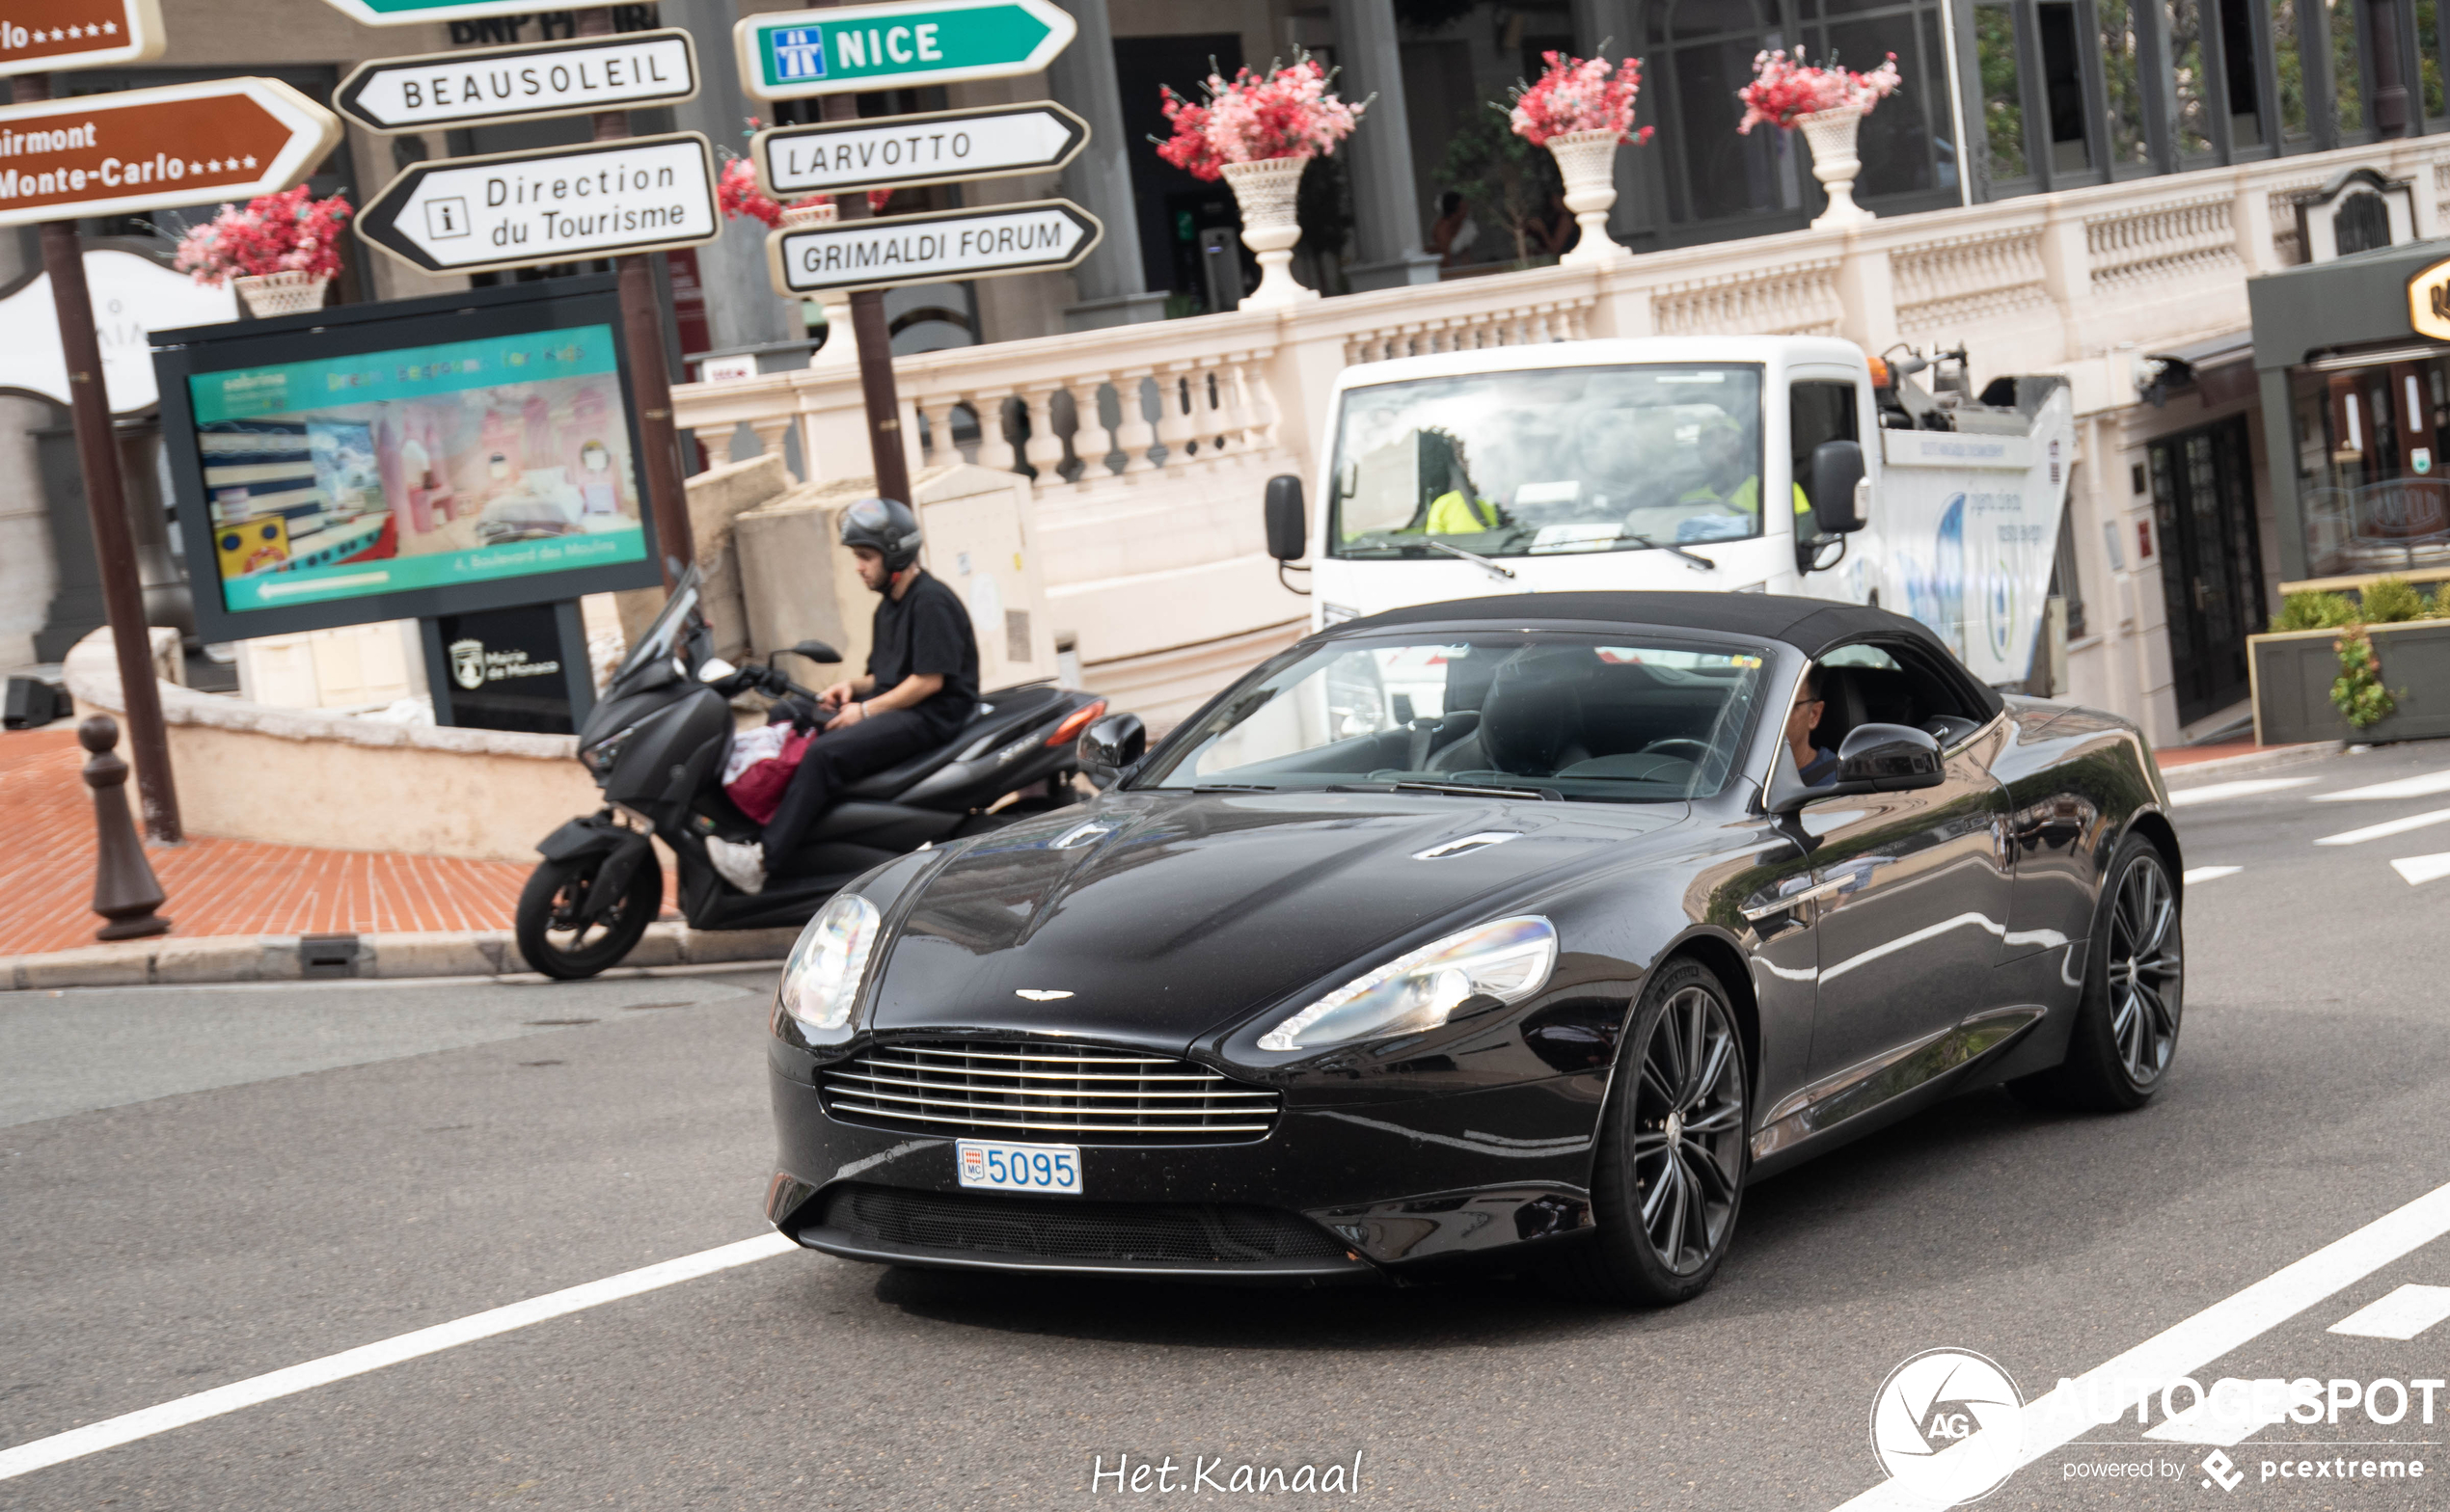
(1815, 762)
(921, 687)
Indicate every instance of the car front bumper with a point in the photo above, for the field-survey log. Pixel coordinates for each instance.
(1334, 1192)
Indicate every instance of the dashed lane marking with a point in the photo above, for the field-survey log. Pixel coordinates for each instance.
(2055, 1418)
(2419, 870)
(2417, 787)
(128, 1427)
(2393, 826)
(2245, 787)
(2204, 874)
(2402, 1314)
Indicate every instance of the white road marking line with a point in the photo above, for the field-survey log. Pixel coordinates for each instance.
(2395, 826)
(2204, 874)
(2402, 1314)
(2422, 869)
(2226, 1419)
(2425, 785)
(2245, 787)
(2057, 1417)
(127, 1428)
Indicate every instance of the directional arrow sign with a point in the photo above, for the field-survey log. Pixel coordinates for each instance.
(37, 36)
(947, 147)
(148, 149)
(1040, 237)
(526, 83)
(417, 12)
(786, 55)
(554, 204)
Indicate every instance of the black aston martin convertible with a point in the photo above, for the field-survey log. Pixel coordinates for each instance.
(1504, 932)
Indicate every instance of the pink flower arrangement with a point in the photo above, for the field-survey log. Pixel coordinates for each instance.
(287, 232)
(736, 191)
(1783, 89)
(1579, 95)
(1289, 112)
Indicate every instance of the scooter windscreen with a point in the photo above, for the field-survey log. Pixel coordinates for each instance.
(663, 636)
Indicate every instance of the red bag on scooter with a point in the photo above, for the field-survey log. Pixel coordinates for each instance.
(760, 765)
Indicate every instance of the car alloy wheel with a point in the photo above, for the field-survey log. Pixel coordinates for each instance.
(1688, 1131)
(2144, 970)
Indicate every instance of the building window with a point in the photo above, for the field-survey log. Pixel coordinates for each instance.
(1703, 51)
(2370, 443)
(2063, 86)
(2002, 90)
(2429, 55)
(2238, 72)
(2191, 79)
(2290, 70)
(2122, 85)
(2348, 79)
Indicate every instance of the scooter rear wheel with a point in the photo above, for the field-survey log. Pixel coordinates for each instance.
(554, 945)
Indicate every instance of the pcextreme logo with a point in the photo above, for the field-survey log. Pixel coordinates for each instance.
(1949, 1426)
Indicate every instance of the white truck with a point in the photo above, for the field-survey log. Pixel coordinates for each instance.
(1740, 463)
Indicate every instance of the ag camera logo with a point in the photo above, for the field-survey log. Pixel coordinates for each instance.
(1949, 1426)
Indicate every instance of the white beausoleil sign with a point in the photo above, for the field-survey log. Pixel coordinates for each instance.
(525, 83)
(562, 205)
(133, 297)
(944, 146)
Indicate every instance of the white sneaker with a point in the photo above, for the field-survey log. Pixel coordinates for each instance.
(743, 865)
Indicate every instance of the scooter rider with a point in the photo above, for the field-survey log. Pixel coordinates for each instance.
(921, 685)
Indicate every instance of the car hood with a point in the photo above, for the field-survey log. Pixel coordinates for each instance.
(1155, 918)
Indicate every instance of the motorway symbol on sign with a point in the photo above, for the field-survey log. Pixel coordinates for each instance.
(39, 36)
(550, 204)
(526, 83)
(946, 147)
(148, 149)
(418, 12)
(787, 55)
(1039, 236)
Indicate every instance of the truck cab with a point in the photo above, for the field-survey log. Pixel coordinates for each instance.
(1744, 464)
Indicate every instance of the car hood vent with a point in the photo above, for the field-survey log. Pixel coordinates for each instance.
(1481, 841)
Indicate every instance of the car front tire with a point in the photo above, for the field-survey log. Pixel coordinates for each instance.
(2126, 1034)
(1668, 1177)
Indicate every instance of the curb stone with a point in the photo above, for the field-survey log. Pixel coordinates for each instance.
(171, 961)
(2226, 766)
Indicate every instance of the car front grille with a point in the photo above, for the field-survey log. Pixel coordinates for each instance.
(1021, 1088)
(1056, 1229)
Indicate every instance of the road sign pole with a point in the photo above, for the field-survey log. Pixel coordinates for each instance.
(650, 367)
(106, 505)
(875, 338)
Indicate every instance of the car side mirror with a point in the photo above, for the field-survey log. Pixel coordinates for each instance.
(1888, 758)
(1835, 490)
(1287, 524)
(1111, 746)
(816, 651)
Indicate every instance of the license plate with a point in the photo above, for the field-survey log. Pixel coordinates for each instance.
(1017, 1167)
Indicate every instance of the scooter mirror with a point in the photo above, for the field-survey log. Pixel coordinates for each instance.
(816, 651)
(715, 670)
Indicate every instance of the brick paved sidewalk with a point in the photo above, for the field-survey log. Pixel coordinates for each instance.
(217, 887)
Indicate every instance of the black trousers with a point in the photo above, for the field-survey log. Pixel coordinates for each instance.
(836, 759)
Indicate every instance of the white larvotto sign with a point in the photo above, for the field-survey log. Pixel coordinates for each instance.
(1038, 236)
(526, 83)
(562, 205)
(944, 146)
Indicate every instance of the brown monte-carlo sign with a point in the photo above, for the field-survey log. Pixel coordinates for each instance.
(147, 149)
(40, 36)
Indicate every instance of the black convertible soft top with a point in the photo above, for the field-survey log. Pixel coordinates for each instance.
(1811, 626)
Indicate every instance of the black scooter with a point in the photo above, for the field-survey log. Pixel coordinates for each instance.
(656, 744)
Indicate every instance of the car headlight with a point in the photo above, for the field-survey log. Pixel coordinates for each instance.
(1507, 961)
(821, 981)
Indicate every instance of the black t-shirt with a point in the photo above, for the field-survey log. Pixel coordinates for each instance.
(927, 629)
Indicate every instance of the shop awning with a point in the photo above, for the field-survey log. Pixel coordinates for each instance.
(2220, 367)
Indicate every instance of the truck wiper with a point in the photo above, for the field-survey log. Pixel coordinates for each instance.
(1699, 562)
(1474, 557)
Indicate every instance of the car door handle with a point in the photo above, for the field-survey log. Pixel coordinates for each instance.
(1761, 911)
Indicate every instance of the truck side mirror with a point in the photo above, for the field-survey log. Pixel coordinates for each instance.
(1835, 471)
(1287, 524)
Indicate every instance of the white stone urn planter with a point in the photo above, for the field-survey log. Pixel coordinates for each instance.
(1266, 190)
(839, 349)
(1586, 160)
(1832, 136)
(269, 294)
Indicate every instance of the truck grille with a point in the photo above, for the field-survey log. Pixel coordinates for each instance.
(1078, 1096)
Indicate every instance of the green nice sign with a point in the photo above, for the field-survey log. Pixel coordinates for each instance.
(792, 54)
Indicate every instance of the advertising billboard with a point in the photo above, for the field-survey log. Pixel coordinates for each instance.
(403, 460)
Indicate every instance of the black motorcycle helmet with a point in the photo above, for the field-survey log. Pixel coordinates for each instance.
(885, 527)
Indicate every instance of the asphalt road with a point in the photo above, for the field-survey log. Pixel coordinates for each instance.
(202, 1186)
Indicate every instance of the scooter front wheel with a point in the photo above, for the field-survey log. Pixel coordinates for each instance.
(553, 941)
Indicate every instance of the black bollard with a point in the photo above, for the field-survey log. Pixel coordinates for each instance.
(126, 890)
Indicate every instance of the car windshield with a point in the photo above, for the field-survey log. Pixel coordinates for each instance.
(1551, 461)
(1637, 718)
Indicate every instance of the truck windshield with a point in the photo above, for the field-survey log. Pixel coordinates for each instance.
(1549, 461)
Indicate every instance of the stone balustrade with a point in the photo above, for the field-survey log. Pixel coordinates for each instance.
(1150, 443)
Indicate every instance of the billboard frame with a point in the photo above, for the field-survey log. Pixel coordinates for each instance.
(354, 330)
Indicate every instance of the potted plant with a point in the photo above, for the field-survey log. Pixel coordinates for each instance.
(1829, 103)
(1581, 109)
(1258, 133)
(282, 250)
(2371, 667)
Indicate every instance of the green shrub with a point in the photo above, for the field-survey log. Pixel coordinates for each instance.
(2389, 600)
(2315, 611)
(2359, 692)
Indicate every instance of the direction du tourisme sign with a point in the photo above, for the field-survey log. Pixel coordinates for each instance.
(556, 204)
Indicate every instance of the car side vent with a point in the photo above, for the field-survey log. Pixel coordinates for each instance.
(1481, 841)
